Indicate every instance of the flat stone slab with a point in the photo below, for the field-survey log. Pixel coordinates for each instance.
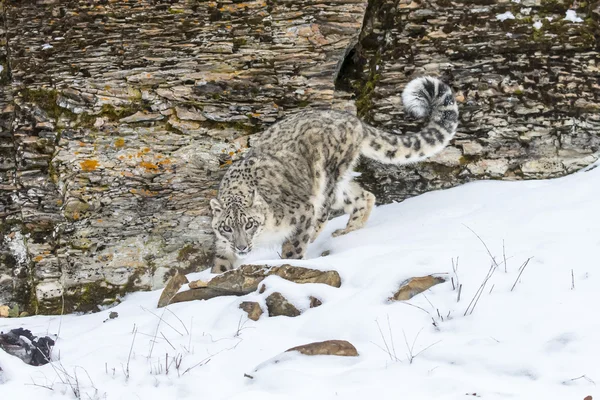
(327, 348)
(413, 286)
(247, 277)
(202, 294)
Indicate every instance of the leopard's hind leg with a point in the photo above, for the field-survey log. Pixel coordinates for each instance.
(357, 203)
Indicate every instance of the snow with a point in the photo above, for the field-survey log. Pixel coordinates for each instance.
(505, 16)
(572, 16)
(538, 25)
(536, 341)
(47, 46)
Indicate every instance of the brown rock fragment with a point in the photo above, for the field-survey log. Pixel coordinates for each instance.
(412, 287)
(327, 348)
(314, 302)
(252, 308)
(247, 277)
(279, 305)
(171, 289)
(202, 294)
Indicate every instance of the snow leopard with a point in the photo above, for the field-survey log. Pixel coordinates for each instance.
(300, 170)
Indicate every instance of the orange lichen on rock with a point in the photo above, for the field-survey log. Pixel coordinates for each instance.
(148, 166)
(89, 165)
(119, 142)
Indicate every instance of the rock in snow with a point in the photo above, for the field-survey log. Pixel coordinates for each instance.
(327, 348)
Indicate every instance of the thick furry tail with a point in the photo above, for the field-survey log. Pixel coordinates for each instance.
(422, 97)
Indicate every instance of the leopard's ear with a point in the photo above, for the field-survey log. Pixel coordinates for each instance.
(216, 207)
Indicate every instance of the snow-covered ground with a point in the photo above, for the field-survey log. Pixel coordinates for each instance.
(537, 341)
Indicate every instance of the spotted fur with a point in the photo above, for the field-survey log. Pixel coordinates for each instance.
(299, 170)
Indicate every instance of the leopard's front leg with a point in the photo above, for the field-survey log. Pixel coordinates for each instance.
(304, 223)
(224, 259)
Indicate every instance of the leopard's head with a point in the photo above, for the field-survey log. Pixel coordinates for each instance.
(236, 222)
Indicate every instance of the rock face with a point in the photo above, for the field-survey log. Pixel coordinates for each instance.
(117, 120)
(527, 87)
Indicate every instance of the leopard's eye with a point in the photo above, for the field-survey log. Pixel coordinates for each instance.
(226, 228)
(249, 224)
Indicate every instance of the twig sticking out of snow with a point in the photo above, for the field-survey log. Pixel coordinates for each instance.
(455, 270)
(572, 280)
(391, 351)
(484, 245)
(521, 269)
(584, 377)
(504, 255)
(479, 291)
(126, 370)
(411, 355)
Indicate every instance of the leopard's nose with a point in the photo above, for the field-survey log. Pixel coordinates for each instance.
(241, 249)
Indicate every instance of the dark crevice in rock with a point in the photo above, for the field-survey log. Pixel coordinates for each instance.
(6, 47)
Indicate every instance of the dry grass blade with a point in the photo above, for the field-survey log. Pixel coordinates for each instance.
(484, 245)
(504, 256)
(391, 353)
(572, 280)
(521, 269)
(479, 291)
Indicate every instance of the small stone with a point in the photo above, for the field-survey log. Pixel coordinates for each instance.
(4, 310)
(278, 305)
(113, 315)
(99, 122)
(411, 287)
(325, 253)
(252, 308)
(327, 348)
(314, 302)
(171, 289)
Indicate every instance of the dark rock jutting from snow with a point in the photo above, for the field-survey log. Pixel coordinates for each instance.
(23, 345)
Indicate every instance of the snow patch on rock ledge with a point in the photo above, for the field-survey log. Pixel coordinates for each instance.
(572, 16)
(505, 16)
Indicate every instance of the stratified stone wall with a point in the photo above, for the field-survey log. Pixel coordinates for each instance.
(118, 118)
(527, 80)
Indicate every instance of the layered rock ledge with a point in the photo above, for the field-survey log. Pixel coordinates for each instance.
(117, 120)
